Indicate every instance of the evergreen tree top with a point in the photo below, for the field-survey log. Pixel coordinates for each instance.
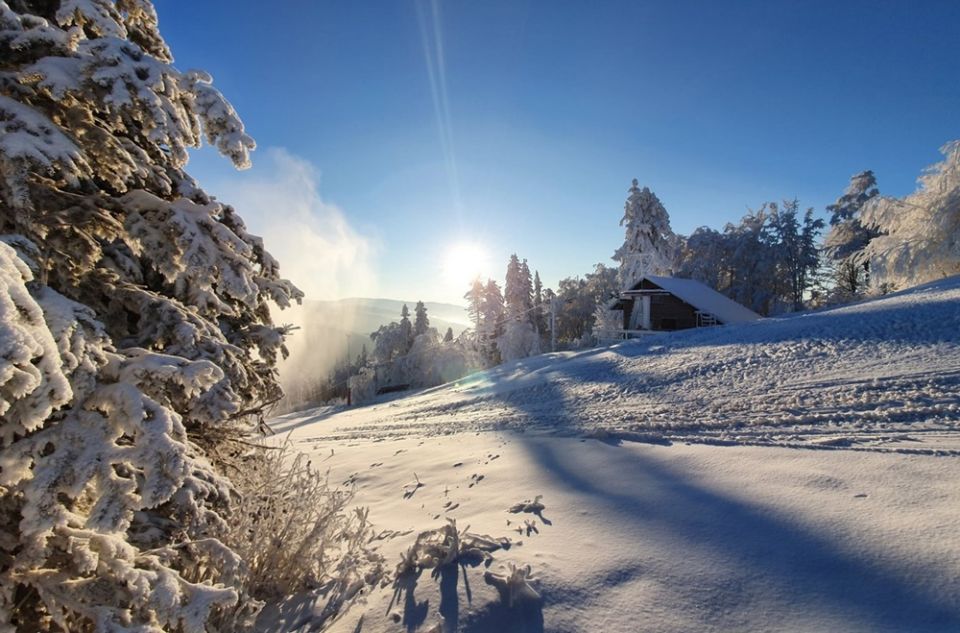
(861, 188)
(649, 246)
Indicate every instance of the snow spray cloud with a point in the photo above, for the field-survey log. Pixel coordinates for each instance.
(318, 251)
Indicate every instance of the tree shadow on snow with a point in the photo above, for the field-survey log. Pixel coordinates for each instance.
(500, 617)
(513, 613)
(414, 613)
(503, 617)
(449, 596)
(771, 555)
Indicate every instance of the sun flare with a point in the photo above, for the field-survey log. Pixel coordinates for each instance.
(463, 261)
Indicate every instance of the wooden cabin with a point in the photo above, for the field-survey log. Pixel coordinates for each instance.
(664, 304)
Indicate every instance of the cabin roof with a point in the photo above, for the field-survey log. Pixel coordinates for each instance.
(700, 296)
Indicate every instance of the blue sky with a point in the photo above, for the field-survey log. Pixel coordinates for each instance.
(538, 115)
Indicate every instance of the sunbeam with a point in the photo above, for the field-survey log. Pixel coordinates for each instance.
(431, 35)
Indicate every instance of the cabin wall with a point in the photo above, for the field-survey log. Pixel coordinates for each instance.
(666, 313)
(670, 313)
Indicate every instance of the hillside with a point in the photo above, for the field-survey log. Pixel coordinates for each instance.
(674, 496)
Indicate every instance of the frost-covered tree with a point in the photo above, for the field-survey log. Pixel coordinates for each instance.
(767, 262)
(516, 298)
(650, 246)
(575, 311)
(519, 338)
(406, 329)
(602, 286)
(539, 310)
(491, 322)
(429, 362)
(582, 300)
(526, 283)
(474, 298)
(448, 337)
(421, 323)
(919, 235)
(794, 247)
(390, 341)
(752, 260)
(135, 333)
(706, 257)
(846, 242)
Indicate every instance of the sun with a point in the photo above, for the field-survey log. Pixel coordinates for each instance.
(463, 261)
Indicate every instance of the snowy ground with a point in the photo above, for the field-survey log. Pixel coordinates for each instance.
(675, 496)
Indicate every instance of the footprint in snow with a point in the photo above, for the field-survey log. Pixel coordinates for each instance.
(530, 527)
(476, 479)
(533, 507)
(410, 489)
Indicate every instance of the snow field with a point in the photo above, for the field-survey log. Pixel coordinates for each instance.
(667, 538)
(674, 494)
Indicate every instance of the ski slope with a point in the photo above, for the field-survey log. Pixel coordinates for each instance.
(675, 497)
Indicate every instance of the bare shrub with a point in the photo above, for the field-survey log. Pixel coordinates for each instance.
(295, 533)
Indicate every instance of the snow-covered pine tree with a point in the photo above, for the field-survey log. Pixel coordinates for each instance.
(406, 329)
(512, 293)
(518, 290)
(135, 334)
(846, 242)
(519, 338)
(650, 246)
(526, 280)
(540, 311)
(421, 323)
(448, 337)
(491, 322)
(919, 234)
(474, 298)
(807, 266)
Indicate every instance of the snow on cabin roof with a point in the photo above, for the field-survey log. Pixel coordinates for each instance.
(703, 298)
